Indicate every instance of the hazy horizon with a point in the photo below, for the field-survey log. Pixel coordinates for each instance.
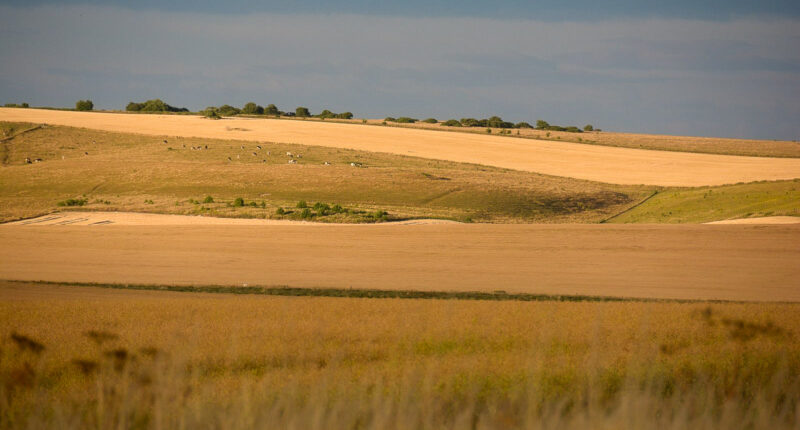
(723, 69)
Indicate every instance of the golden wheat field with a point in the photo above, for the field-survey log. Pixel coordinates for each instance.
(149, 359)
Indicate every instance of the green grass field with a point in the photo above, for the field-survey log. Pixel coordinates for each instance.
(705, 204)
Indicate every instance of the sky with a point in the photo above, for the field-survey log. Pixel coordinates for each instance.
(712, 68)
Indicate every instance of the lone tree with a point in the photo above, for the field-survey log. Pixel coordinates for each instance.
(84, 105)
(302, 111)
(542, 124)
(588, 127)
(252, 109)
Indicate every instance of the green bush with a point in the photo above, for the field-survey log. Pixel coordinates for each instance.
(306, 213)
(452, 123)
(390, 119)
(252, 109)
(154, 105)
(302, 112)
(326, 114)
(208, 199)
(302, 204)
(239, 202)
(430, 120)
(280, 211)
(73, 202)
(470, 122)
(211, 113)
(542, 124)
(84, 105)
(522, 125)
(406, 120)
(228, 110)
(588, 127)
(271, 109)
(345, 115)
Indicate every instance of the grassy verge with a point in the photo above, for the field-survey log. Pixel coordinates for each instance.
(707, 204)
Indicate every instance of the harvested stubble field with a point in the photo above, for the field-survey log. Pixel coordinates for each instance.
(589, 162)
(144, 359)
(656, 261)
(704, 145)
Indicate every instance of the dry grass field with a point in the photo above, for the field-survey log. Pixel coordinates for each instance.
(589, 162)
(143, 359)
(131, 172)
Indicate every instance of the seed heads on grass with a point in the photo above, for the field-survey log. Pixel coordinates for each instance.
(25, 343)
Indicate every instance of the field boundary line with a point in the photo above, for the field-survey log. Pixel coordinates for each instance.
(287, 291)
(630, 208)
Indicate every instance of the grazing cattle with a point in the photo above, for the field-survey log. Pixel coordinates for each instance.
(27, 160)
(254, 154)
(184, 145)
(229, 159)
(292, 161)
(258, 146)
(326, 163)
(37, 160)
(263, 161)
(165, 141)
(289, 154)
(85, 153)
(206, 146)
(267, 152)
(242, 146)
(299, 155)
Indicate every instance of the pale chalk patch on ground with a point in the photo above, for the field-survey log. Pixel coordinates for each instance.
(761, 220)
(135, 218)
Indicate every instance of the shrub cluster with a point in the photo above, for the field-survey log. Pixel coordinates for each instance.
(14, 105)
(401, 120)
(73, 202)
(325, 114)
(84, 105)
(544, 125)
(154, 105)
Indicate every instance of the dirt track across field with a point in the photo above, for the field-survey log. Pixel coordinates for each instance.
(735, 262)
(597, 163)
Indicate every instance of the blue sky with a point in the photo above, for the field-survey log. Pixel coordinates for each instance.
(700, 68)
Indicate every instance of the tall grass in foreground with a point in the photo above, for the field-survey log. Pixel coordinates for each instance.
(135, 359)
